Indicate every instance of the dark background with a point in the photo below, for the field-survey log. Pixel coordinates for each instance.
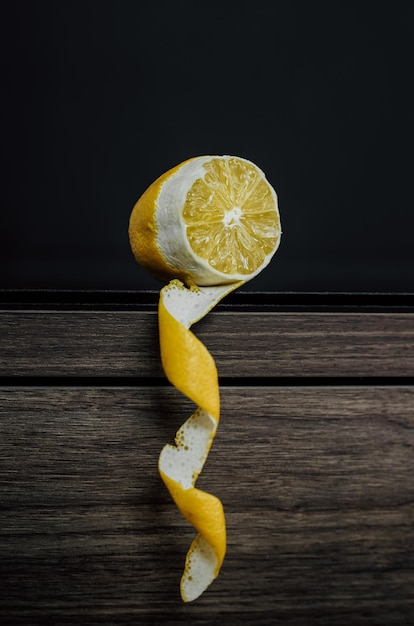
(101, 97)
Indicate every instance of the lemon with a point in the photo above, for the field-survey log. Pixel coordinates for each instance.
(209, 221)
(205, 227)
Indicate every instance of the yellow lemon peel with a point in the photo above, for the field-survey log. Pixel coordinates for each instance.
(213, 224)
(191, 369)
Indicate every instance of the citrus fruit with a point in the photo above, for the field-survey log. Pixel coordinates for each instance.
(205, 227)
(210, 220)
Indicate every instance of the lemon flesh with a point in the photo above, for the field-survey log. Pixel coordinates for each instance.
(231, 217)
(215, 221)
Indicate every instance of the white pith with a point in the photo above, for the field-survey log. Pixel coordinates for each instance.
(232, 218)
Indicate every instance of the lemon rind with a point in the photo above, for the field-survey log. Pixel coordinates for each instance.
(180, 464)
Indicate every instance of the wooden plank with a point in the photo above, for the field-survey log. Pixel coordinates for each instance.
(244, 343)
(317, 485)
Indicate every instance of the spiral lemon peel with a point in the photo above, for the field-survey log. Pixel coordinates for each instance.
(191, 369)
(207, 226)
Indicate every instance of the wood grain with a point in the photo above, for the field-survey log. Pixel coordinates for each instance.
(243, 343)
(317, 480)
(317, 485)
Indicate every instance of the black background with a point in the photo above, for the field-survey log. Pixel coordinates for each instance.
(101, 97)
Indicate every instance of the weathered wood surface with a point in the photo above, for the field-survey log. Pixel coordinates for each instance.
(316, 476)
(243, 343)
(317, 485)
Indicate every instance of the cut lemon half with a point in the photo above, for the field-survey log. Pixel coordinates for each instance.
(206, 227)
(211, 220)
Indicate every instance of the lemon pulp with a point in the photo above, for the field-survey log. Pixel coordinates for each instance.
(231, 217)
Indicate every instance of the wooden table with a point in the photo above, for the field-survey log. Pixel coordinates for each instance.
(313, 461)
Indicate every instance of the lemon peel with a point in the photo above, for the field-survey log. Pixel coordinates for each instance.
(191, 369)
(205, 227)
